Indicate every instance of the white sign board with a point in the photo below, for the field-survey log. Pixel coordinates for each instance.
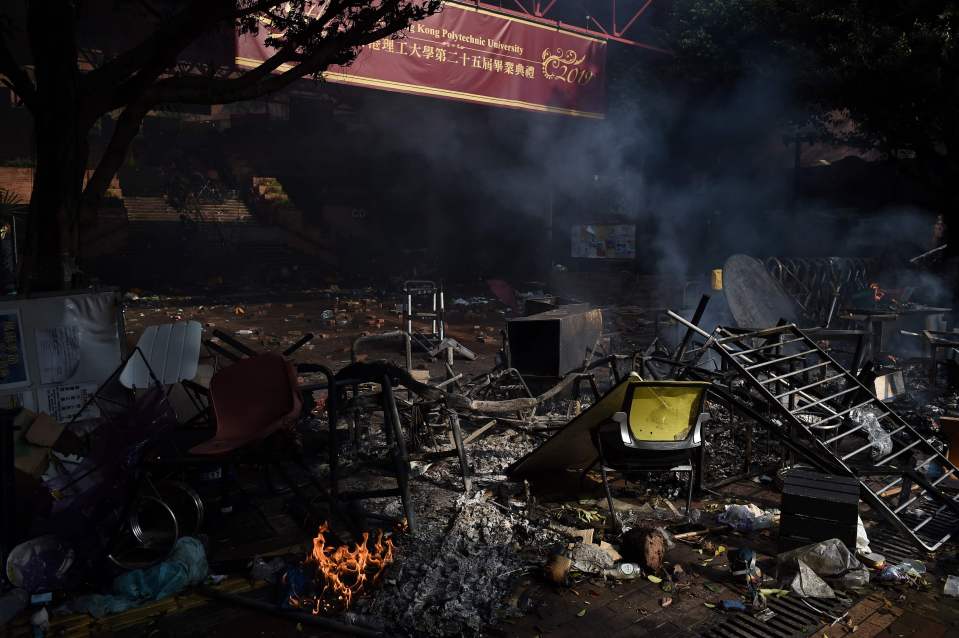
(68, 345)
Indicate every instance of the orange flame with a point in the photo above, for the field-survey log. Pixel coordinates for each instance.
(877, 292)
(342, 573)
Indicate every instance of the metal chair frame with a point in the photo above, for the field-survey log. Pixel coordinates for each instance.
(692, 442)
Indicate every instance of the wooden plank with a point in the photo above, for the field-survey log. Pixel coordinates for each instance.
(479, 432)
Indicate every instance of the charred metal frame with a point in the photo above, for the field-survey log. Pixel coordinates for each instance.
(613, 29)
(794, 397)
(821, 286)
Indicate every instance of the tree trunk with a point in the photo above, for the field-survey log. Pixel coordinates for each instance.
(125, 131)
(60, 148)
(52, 234)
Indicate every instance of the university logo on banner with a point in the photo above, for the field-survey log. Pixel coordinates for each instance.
(464, 52)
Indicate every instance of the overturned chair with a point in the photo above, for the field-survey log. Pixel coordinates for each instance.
(658, 429)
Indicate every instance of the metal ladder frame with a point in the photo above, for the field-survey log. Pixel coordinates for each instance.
(424, 341)
(749, 358)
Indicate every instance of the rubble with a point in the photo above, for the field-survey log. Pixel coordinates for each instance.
(480, 536)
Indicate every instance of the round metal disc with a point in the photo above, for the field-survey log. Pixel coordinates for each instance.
(755, 299)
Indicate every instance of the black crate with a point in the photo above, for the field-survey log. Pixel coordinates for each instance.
(816, 507)
(824, 496)
(550, 344)
(810, 529)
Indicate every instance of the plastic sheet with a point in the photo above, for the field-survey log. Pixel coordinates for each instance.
(186, 566)
(880, 439)
(856, 578)
(904, 571)
(827, 558)
(808, 584)
(862, 539)
(746, 518)
(951, 587)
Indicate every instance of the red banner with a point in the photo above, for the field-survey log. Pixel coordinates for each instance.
(468, 53)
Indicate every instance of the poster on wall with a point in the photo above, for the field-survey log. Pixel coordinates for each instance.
(58, 353)
(13, 364)
(64, 402)
(603, 241)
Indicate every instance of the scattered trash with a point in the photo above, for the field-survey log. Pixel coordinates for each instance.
(557, 568)
(624, 571)
(645, 546)
(828, 558)
(872, 560)
(609, 549)
(747, 518)
(589, 558)
(469, 568)
(40, 621)
(856, 578)
(868, 420)
(267, 571)
(908, 570)
(40, 564)
(808, 585)
(742, 563)
(862, 539)
(764, 615)
(951, 588)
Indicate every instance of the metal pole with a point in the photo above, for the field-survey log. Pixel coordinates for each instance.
(684, 344)
(691, 326)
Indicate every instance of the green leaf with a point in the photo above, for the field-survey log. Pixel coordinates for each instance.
(581, 612)
(654, 579)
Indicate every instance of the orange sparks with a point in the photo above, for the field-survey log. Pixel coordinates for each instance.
(342, 573)
(877, 292)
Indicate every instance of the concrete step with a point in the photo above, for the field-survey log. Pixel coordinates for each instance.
(145, 209)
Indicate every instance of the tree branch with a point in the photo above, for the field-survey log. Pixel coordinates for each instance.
(323, 47)
(335, 49)
(15, 76)
(170, 38)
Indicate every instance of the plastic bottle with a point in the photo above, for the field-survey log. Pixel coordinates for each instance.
(624, 571)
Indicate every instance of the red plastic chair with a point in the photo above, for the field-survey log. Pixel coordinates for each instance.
(251, 399)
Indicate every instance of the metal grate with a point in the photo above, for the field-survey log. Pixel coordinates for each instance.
(793, 619)
(892, 545)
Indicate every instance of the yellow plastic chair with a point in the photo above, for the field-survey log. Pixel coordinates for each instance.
(658, 429)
